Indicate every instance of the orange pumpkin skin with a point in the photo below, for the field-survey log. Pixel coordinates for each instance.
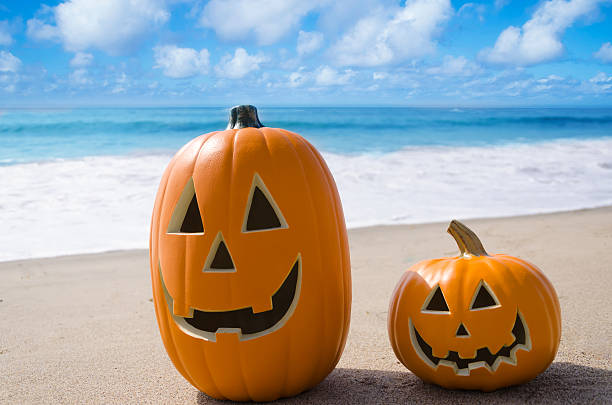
(520, 289)
(306, 347)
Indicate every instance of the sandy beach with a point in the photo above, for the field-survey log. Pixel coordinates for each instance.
(82, 329)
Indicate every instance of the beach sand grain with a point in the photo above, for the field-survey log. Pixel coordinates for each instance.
(82, 329)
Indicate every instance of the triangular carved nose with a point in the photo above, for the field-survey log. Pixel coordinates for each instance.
(222, 259)
(461, 331)
(219, 259)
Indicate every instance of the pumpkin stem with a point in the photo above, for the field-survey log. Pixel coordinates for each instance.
(468, 242)
(244, 116)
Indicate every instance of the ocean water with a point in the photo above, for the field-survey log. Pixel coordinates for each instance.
(84, 180)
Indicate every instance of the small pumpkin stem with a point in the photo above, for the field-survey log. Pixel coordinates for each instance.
(243, 116)
(468, 242)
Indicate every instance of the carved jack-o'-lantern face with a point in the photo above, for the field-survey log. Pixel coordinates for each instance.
(476, 321)
(261, 214)
(483, 299)
(249, 262)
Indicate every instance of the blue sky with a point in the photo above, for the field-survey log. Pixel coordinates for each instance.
(295, 52)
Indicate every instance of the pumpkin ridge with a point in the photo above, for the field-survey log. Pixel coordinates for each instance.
(340, 344)
(504, 271)
(294, 140)
(535, 272)
(180, 357)
(343, 260)
(556, 307)
(243, 379)
(394, 324)
(203, 139)
(215, 384)
(234, 134)
(284, 388)
(188, 241)
(549, 317)
(342, 239)
(207, 367)
(170, 349)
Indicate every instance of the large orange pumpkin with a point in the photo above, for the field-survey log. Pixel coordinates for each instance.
(250, 263)
(475, 321)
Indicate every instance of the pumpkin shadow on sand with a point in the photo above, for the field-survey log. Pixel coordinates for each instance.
(562, 383)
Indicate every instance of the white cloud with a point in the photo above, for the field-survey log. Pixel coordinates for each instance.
(321, 77)
(327, 76)
(297, 79)
(308, 42)
(337, 16)
(379, 75)
(113, 26)
(10, 88)
(5, 33)
(181, 62)
(9, 62)
(472, 9)
(539, 39)
(455, 66)
(601, 77)
(605, 53)
(40, 31)
(239, 65)
(81, 59)
(601, 83)
(267, 20)
(499, 4)
(392, 35)
(79, 77)
(122, 82)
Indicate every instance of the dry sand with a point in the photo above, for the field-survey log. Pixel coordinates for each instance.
(81, 329)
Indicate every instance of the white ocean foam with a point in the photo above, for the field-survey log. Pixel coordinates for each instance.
(104, 203)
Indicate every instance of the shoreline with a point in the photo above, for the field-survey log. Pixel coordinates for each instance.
(407, 186)
(82, 329)
(351, 229)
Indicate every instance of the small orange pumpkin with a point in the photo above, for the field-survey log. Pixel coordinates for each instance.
(475, 321)
(250, 263)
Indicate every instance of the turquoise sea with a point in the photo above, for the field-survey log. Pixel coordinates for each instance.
(37, 135)
(83, 180)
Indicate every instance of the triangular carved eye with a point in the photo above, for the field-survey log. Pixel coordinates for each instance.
(262, 213)
(484, 297)
(436, 302)
(186, 218)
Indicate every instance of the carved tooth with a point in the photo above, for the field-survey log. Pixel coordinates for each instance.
(494, 348)
(467, 354)
(498, 361)
(182, 309)
(440, 354)
(262, 306)
(512, 358)
(509, 339)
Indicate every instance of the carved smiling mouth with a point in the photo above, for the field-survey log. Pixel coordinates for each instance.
(483, 358)
(247, 324)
